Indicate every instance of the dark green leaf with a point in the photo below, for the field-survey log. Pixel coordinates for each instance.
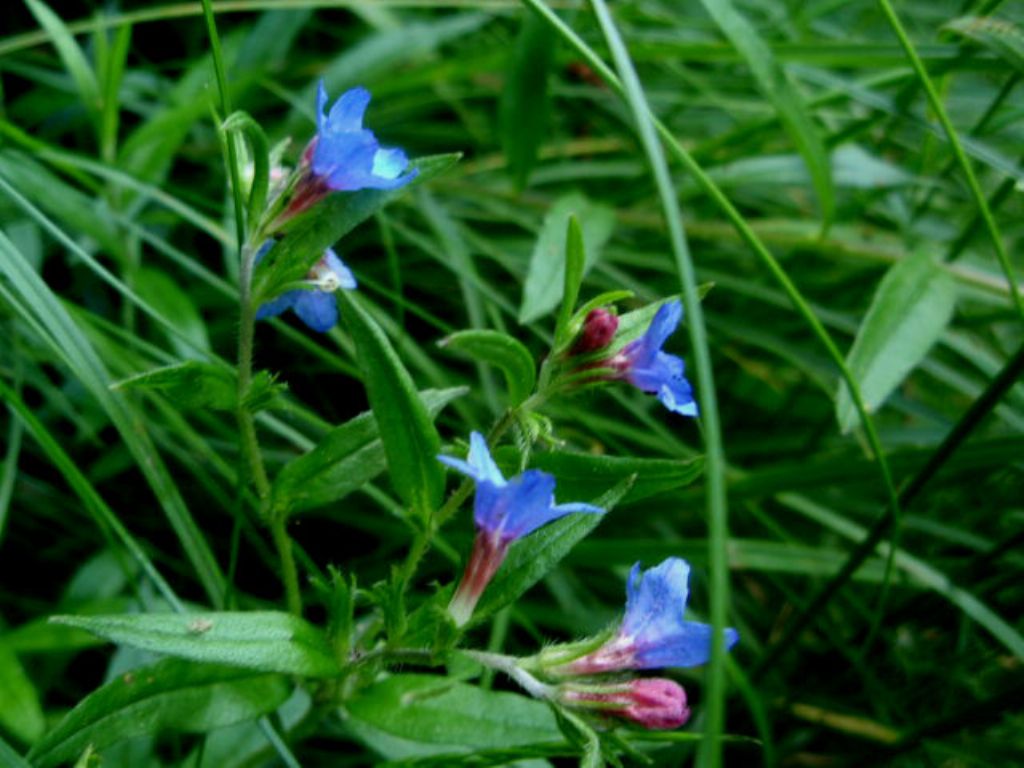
(166, 296)
(349, 456)
(414, 715)
(532, 557)
(263, 640)
(909, 312)
(501, 350)
(575, 262)
(581, 475)
(71, 54)
(411, 442)
(20, 712)
(310, 234)
(1003, 38)
(525, 99)
(546, 276)
(188, 385)
(9, 758)
(778, 89)
(171, 695)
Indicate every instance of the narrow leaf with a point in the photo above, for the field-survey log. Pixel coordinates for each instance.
(171, 695)
(908, 314)
(525, 99)
(501, 350)
(188, 385)
(411, 442)
(408, 716)
(575, 262)
(263, 640)
(21, 714)
(546, 275)
(781, 92)
(70, 53)
(350, 456)
(581, 474)
(1003, 38)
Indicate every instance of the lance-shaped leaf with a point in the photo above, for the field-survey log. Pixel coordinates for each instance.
(501, 350)
(171, 695)
(411, 442)
(263, 640)
(407, 716)
(910, 310)
(348, 457)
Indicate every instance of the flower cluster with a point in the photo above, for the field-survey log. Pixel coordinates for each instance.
(653, 634)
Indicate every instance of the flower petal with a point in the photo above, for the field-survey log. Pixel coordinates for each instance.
(275, 307)
(341, 272)
(389, 163)
(346, 115)
(689, 646)
(481, 461)
(655, 600)
(317, 309)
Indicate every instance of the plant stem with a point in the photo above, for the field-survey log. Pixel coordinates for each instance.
(289, 573)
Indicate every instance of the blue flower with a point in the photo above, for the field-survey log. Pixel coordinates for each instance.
(650, 370)
(510, 509)
(653, 632)
(346, 156)
(316, 307)
(503, 510)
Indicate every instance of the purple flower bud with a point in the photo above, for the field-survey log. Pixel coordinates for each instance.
(653, 633)
(503, 510)
(646, 367)
(598, 331)
(653, 703)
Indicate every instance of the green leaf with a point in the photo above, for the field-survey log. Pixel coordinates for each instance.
(9, 758)
(531, 558)
(910, 310)
(580, 474)
(575, 261)
(70, 53)
(308, 236)
(188, 385)
(781, 92)
(242, 123)
(501, 350)
(350, 456)
(416, 715)
(263, 640)
(411, 442)
(525, 99)
(166, 296)
(546, 275)
(171, 695)
(21, 714)
(1003, 38)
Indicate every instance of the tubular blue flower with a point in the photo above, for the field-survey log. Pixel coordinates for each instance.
(316, 307)
(646, 367)
(503, 511)
(347, 156)
(343, 156)
(653, 633)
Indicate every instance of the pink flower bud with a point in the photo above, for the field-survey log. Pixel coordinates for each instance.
(598, 331)
(654, 703)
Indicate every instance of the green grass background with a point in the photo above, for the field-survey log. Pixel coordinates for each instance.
(784, 156)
